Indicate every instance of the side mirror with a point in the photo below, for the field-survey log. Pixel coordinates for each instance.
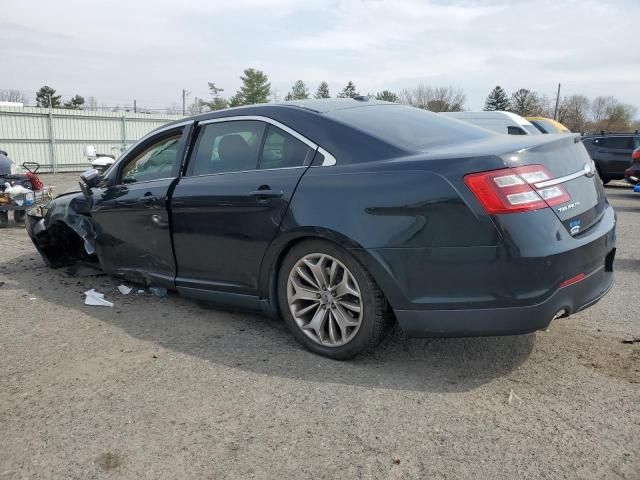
(91, 177)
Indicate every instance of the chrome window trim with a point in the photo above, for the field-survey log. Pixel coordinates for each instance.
(572, 176)
(329, 159)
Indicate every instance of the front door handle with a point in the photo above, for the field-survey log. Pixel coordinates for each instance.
(149, 200)
(264, 194)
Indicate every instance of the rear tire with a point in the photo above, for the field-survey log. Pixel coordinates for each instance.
(329, 301)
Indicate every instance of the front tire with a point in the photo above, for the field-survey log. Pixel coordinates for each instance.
(329, 301)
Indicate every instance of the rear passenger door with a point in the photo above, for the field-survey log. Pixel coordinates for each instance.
(228, 206)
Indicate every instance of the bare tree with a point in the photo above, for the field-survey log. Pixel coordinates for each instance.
(600, 107)
(620, 117)
(174, 109)
(525, 102)
(13, 95)
(91, 104)
(573, 112)
(439, 99)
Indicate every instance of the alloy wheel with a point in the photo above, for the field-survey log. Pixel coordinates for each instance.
(324, 299)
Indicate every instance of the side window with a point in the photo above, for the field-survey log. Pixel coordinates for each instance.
(636, 142)
(227, 147)
(160, 160)
(282, 150)
(515, 131)
(621, 143)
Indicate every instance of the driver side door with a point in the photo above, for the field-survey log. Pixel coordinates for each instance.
(131, 217)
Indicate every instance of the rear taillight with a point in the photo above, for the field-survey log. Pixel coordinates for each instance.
(635, 156)
(511, 190)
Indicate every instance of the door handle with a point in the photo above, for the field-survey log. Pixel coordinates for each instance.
(148, 200)
(266, 193)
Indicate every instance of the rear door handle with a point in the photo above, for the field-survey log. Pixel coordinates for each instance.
(266, 194)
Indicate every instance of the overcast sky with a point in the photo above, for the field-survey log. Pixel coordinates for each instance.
(151, 49)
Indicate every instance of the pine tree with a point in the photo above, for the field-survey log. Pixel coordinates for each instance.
(349, 91)
(217, 101)
(255, 89)
(322, 91)
(387, 96)
(46, 97)
(299, 91)
(75, 103)
(497, 100)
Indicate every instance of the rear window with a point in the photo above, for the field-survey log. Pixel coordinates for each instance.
(408, 127)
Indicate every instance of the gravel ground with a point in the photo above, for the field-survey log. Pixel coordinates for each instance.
(167, 388)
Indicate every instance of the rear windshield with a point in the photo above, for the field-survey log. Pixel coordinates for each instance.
(408, 127)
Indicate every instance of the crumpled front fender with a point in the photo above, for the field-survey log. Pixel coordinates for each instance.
(65, 233)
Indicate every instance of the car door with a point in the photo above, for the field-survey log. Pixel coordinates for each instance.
(131, 215)
(620, 150)
(228, 207)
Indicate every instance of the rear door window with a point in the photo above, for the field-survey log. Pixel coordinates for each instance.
(620, 143)
(227, 147)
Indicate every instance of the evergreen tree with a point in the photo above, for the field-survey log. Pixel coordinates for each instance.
(75, 103)
(299, 91)
(217, 101)
(387, 96)
(349, 91)
(322, 91)
(255, 89)
(497, 100)
(46, 97)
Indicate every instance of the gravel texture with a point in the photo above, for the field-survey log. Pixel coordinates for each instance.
(167, 388)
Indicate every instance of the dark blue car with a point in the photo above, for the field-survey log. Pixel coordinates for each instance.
(343, 216)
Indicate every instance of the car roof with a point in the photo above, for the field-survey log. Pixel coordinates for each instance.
(553, 122)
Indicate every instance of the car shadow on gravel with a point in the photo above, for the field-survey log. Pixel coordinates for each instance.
(260, 345)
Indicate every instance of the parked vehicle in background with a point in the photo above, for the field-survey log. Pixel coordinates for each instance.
(497, 121)
(611, 153)
(98, 161)
(632, 174)
(548, 125)
(342, 215)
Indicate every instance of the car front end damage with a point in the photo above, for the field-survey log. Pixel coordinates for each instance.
(62, 231)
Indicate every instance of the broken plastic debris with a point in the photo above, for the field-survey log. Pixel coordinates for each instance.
(158, 291)
(513, 398)
(124, 289)
(96, 299)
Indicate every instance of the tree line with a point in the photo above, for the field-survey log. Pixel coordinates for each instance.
(577, 112)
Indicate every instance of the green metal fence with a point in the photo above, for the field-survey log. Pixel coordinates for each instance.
(55, 138)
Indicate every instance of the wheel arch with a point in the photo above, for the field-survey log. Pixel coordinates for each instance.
(281, 245)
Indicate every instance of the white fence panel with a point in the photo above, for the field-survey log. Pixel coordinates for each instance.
(55, 138)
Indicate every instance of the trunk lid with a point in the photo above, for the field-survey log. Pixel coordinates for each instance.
(569, 167)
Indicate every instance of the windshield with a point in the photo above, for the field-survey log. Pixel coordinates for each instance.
(408, 127)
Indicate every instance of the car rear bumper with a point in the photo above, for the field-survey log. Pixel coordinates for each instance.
(512, 320)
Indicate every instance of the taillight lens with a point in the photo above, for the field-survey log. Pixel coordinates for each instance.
(635, 156)
(511, 190)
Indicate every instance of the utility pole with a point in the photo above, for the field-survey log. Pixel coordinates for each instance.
(184, 101)
(555, 111)
(135, 107)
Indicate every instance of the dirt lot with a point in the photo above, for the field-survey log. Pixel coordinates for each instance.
(167, 388)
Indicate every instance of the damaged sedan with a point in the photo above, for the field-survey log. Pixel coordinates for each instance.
(345, 216)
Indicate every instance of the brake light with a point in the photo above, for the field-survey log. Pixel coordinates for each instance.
(511, 190)
(635, 156)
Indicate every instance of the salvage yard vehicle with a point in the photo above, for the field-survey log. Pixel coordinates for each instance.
(20, 192)
(611, 153)
(547, 125)
(632, 174)
(344, 215)
(497, 121)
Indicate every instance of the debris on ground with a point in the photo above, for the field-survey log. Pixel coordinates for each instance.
(158, 291)
(396, 460)
(123, 289)
(96, 299)
(85, 269)
(513, 398)
(631, 340)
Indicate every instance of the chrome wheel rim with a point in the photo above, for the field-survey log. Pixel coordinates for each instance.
(324, 299)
